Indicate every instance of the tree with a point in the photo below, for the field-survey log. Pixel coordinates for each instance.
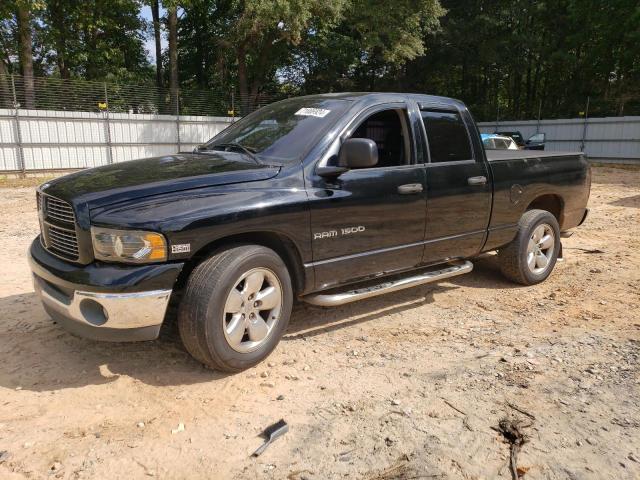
(367, 48)
(155, 13)
(506, 57)
(510, 58)
(23, 16)
(262, 31)
(56, 17)
(172, 23)
(93, 39)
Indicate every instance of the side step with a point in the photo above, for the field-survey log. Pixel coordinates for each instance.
(340, 298)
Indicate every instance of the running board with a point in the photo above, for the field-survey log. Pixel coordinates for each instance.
(340, 298)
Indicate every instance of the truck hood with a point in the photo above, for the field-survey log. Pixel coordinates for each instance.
(154, 176)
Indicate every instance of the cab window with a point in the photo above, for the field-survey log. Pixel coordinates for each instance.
(389, 130)
(447, 136)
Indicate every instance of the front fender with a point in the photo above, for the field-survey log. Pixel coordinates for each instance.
(193, 219)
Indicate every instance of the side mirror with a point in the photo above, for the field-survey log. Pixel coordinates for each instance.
(358, 153)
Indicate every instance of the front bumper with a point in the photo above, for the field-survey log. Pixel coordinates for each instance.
(114, 302)
(115, 317)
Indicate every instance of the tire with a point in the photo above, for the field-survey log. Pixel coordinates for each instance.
(516, 258)
(221, 327)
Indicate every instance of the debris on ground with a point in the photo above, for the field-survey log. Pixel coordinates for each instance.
(179, 429)
(512, 432)
(270, 434)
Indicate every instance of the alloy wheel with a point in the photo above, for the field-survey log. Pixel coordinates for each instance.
(252, 309)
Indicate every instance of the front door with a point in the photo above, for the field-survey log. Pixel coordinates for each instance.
(458, 188)
(370, 221)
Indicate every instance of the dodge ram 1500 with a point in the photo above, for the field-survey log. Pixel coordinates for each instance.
(328, 198)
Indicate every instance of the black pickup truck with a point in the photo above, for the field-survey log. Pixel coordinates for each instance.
(329, 199)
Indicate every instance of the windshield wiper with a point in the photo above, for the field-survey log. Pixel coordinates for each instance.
(248, 151)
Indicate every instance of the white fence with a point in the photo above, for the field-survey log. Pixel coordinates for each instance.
(33, 140)
(610, 138)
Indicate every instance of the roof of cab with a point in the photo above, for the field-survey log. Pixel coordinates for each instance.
(369, 98)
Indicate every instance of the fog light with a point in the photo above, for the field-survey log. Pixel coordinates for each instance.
(93, 312)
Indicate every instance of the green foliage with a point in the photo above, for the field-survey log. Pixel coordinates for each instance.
(510, 59)
(91, 39)
(513, 59)
(371, 42)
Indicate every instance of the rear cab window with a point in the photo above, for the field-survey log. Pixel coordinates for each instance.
(447, 136)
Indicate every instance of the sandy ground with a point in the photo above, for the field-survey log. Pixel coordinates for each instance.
(409, 385)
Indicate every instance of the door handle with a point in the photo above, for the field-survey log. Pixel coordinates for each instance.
(410, 188)
(477, 180)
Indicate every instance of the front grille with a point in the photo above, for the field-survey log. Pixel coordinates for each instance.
(63, 242)
(58, 227)
(58, 210)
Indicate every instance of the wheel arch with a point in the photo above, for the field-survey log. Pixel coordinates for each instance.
(549, 202)
(278, 242)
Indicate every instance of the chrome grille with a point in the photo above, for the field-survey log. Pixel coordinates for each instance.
(58, 228)
(58, 210)
(62, 242)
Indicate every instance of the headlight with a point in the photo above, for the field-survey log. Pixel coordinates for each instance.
(131, 246)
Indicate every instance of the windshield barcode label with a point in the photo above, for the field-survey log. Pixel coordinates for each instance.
(313, 112)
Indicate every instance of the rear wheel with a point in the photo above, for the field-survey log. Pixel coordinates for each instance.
(531, 256)
(236, 307)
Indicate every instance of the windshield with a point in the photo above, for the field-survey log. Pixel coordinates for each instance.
(282, 132)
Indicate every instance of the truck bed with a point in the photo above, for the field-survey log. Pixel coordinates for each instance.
(520, 176)
(497, 155)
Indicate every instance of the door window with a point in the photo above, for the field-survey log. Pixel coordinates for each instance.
(388, 128)
(537, 138)
(447, 136)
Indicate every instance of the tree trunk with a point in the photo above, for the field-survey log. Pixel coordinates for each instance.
(173, 56)
(5, 88)
(26, 54)
(4, 71)
(155, 12)
(243, 83)
(56, 11)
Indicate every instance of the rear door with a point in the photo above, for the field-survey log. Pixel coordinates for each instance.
(458, 185)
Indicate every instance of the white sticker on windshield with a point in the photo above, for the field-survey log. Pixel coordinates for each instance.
(313, 112)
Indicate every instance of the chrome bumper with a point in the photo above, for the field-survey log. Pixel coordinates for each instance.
(104, 312)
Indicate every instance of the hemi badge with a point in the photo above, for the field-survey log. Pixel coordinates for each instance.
(181, 248)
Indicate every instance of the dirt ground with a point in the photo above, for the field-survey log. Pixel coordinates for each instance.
(408, 385)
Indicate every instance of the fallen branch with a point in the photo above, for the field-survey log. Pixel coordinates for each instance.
(511, 430)
(453, 406)
(524, 412)
(465, 422)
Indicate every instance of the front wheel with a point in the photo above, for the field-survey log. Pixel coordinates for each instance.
(236, 307)
(531, 256)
